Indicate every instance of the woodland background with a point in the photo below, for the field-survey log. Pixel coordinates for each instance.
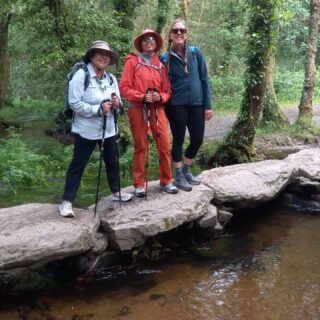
(245, 44)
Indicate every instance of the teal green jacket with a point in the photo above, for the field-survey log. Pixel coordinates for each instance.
(192, 88)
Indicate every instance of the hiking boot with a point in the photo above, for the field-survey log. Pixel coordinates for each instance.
(191, 178)
(66, 210)
(170, 188)
(181, 183)
(125, 197)
(140, 192)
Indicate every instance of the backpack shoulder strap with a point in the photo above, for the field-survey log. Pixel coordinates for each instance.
(111, 80)
(141, 62)
(75, 68)
(164, 58)
(86, 77)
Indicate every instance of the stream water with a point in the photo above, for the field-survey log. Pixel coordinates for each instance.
(265, 266)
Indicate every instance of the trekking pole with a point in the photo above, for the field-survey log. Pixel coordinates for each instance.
(115, 118)
(104, 127)
(146, 113)
(158, 136)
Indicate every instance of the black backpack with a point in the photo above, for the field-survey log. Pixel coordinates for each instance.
(67, 111)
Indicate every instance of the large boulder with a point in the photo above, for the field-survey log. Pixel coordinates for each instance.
(35, 234)
(253, 183)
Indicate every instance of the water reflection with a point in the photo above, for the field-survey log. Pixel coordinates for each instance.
(268, 269)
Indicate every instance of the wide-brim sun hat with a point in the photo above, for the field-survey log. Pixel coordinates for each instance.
(148, 32)
(102, 45)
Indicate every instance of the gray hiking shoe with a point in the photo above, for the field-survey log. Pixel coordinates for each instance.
(140, 192)
(170, 188)
(181, 183)
(191, 178)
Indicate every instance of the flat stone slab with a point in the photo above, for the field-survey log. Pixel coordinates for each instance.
(260, 181)
(131, 224)
(35, 233)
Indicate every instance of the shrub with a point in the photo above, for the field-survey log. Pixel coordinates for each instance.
(19, 165)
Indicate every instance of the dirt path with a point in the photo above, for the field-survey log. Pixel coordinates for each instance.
(219, 125)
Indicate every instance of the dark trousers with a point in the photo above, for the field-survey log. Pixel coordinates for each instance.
(180, 118)
(82, 151)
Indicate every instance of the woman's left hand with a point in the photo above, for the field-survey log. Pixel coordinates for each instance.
(156, 96)
(207, 114)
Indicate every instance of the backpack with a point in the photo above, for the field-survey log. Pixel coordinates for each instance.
(67, 111)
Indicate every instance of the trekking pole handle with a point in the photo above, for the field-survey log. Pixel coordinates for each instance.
(102, 103)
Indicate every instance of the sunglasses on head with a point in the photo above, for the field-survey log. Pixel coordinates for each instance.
(181, 30)
(148, 38)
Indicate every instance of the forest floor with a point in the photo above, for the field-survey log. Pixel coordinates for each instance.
(220, 123)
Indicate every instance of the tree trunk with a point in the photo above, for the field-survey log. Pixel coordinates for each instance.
(238, 144)
(127, 8)
(57, 10)
(4, 55)
(272, 114)
(305, 106)
(182, 9)
(162, 14)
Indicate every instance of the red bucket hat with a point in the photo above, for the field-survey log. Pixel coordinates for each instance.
(137, 41)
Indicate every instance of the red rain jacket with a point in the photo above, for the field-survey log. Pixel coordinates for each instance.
(137, 77)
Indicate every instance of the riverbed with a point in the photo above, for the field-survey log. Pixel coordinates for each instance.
(266, 265)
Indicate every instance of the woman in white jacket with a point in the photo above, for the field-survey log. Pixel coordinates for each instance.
(92, 106)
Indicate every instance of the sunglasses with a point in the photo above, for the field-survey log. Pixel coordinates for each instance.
(148, 38)
(176, 31)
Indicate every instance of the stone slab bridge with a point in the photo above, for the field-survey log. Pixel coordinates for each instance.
(34, 234)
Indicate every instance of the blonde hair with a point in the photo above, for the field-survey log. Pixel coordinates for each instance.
(185, 46)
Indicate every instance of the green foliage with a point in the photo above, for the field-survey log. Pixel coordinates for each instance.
(49, 55)
(219, 28)
(292, 32)
(288, 85)
(226, 91)
(153, 250)
(19, 165)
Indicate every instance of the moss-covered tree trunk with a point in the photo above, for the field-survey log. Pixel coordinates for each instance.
(238, 144)
(4, 55)
(305, 106)
(162, 14)
(57, 9)
(127, 8)
(271, 112)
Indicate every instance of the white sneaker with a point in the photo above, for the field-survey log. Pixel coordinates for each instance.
(125, 197)
(66, 209)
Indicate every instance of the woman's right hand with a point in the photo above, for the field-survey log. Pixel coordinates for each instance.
(148, 97)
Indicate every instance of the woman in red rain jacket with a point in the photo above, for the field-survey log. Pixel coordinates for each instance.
(145, 85)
